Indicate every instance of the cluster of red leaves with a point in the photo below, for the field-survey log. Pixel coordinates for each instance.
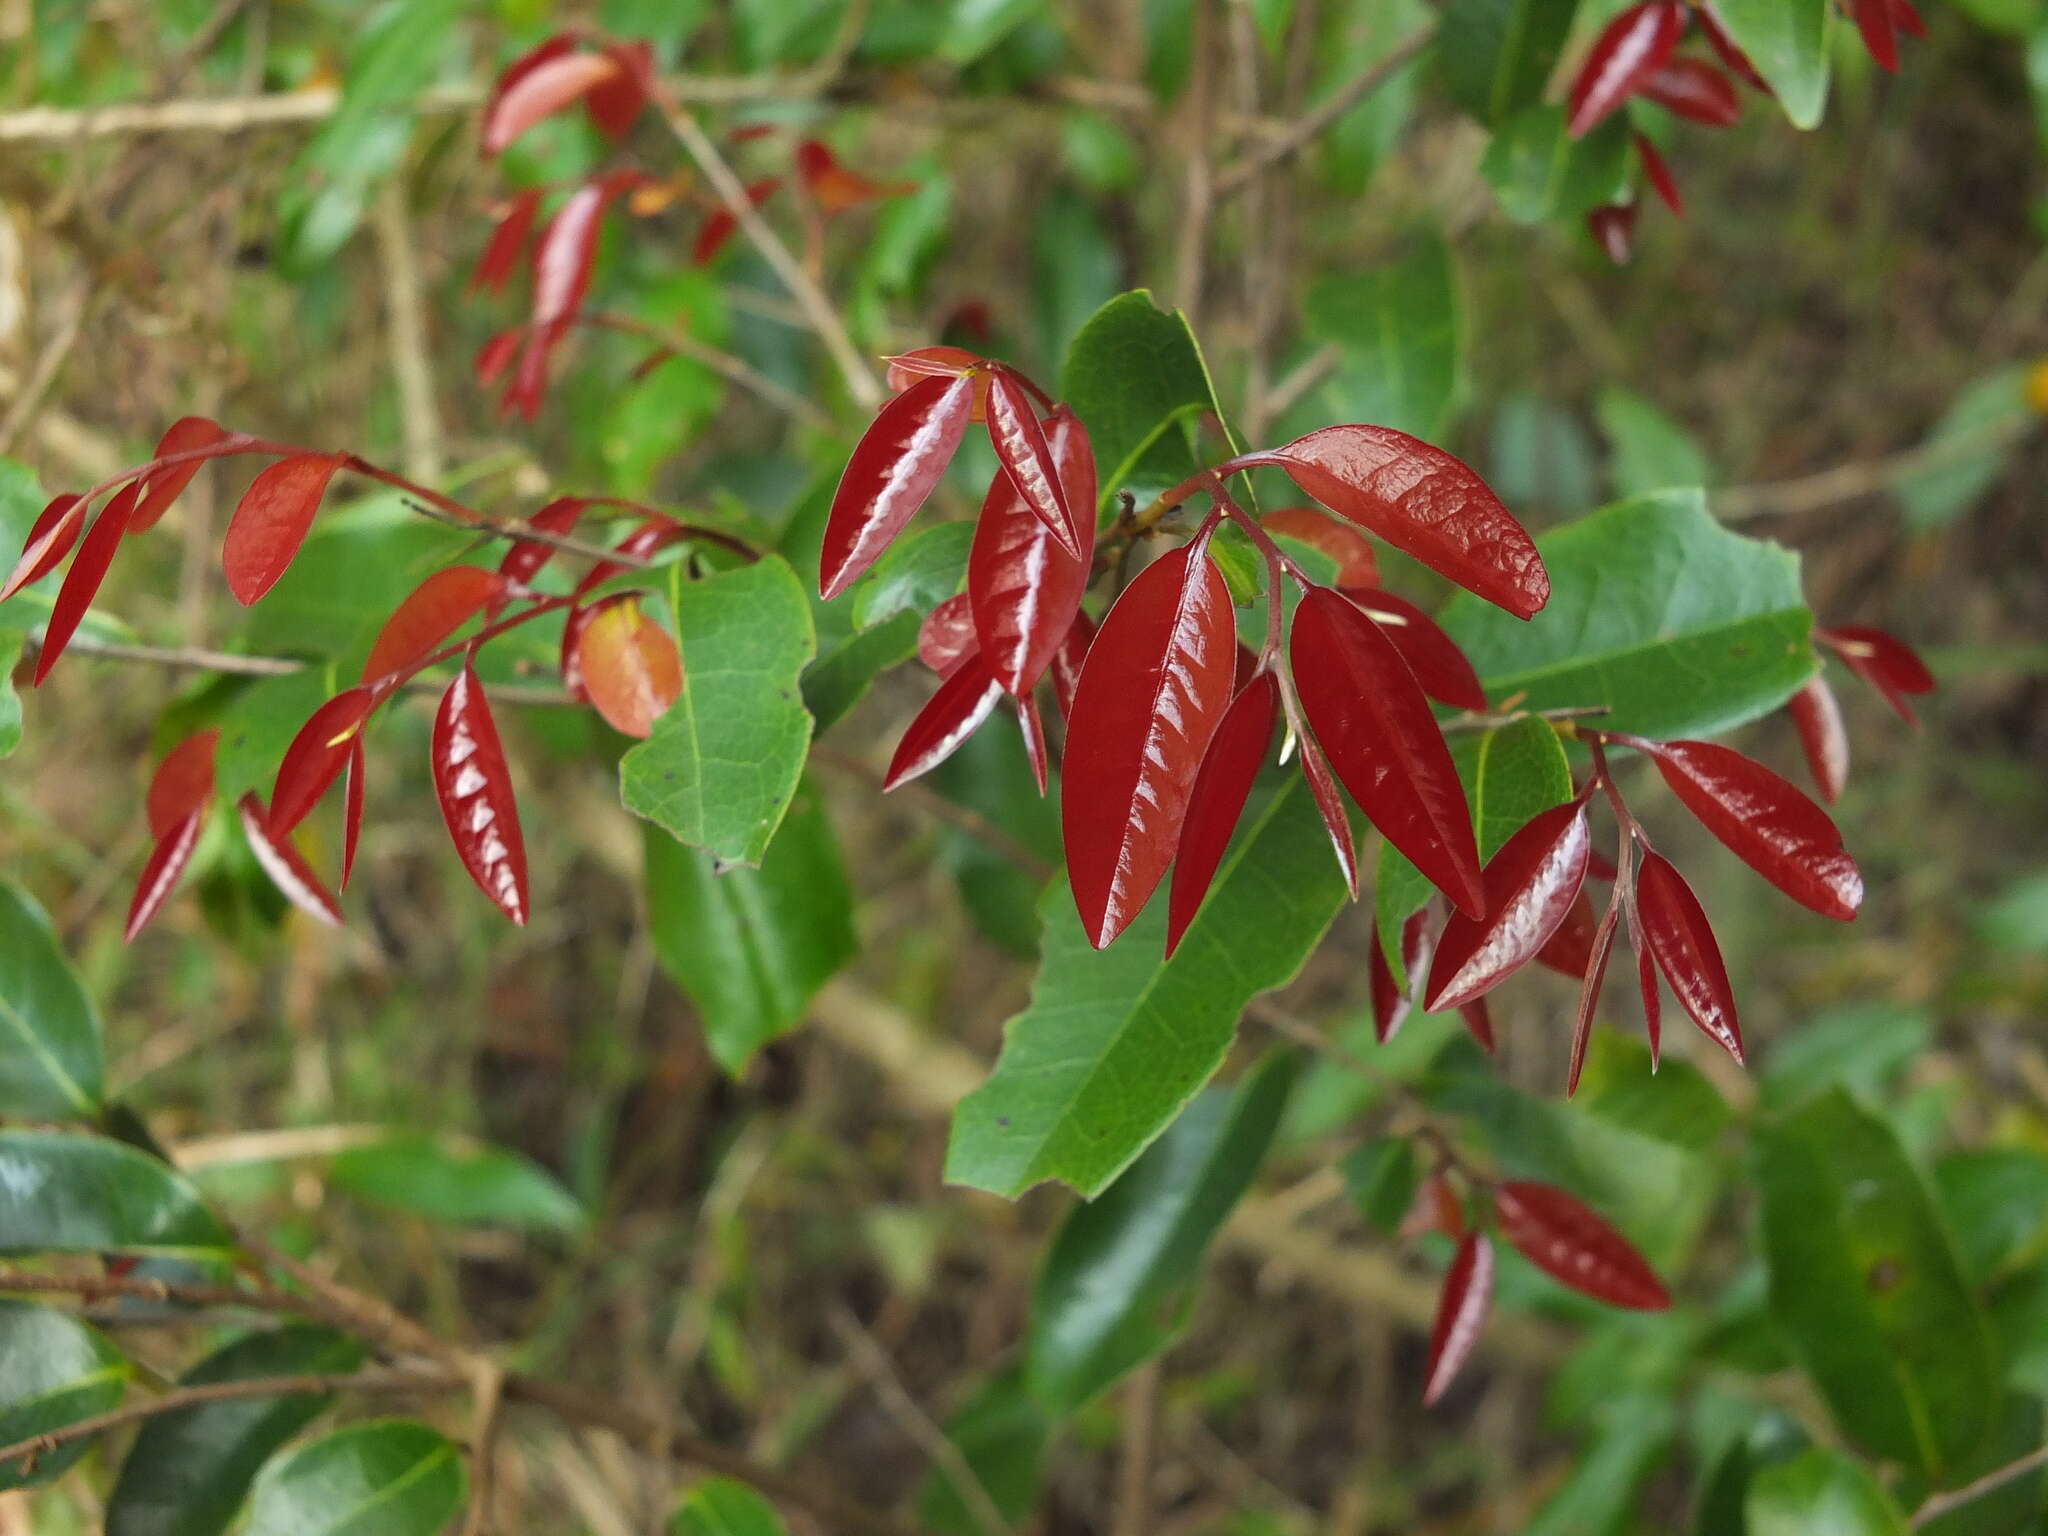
(1636, 56)
(1885, 662)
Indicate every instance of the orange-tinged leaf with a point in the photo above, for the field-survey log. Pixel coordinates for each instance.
(629, 666)
(433, 611)
(272, 520)
(833, 187)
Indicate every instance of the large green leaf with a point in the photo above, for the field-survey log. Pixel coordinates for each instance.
(1972, 443)
(54, 1370)
(917, 573)
(388, 1477)
(723, 1506)
(189, 1470)
(1996, 1202)
(1116, 1041)
(357, 565)
(1116, 1283)
(1820, 1493)
(1651, 451)
(1510, 775)
(723, 762)
(51, 1063)
(1858, 1046)
(1867, 1286)
(1137, 380)
(1401, 328)
(459, 1181)
(751, 947)
(1539, 172)
(1500, 53)
(1001, 1433)
(2001, 1510)
(78, 1194)
(1678, 626)
(1787, 41)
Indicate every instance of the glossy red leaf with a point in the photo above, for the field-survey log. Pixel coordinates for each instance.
(1390, 1004)
(1460, 1314)
(1433, 656)
(630, 667)
(287, 869)
(1567, 1240)
(88, 570)
(1068, 660)
(894, 468)
(1357, 566)
(50, 539)
(1570, 950)
(1478, 1023)
(1031, 726)
(1633, 47)
(1613, 229)
(433, 611)
(271, 522)
(1531, 884)
(1589, 994)
(614, 103)
(720, 226)
(1026, 456)
(352, 810)
(643, 543)
(183, 782)
(906, 368)
(1681, 941)
(1823, 735)
(541, 89)
(507, 242)
(1884, 661)
(1371, 717)
(1769, 824)
(1660, 176)
(1725, 47)
(1156, 684)
(1420, 500)
(1023, 584)
(316, 757)
(475, 789)
(188, 434)
(1874, 19)
(525, 559)
(951, 715)
(1322, 788)
(1229, 768)
(1653, 1012)
(835, 188)
(946, 637)
(1695, 90)
(567, 253)
(162, 870)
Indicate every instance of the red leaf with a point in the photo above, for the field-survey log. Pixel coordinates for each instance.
(1570, 950)
(1695, 90)
(1767, 822)
(630, 667)
(1322, 787)
(1420, 500)
(951, 716)
(1589, 994)
(1230, 766)
(88, 570)
(166, 862)
(906, 368)
(523, 561)
(1067, 663)
(1682, 943)
(1874, 19)
(1436, 1209)
(643, 543)
(1433, 656)
(1531, 884)
(894, 467)
(1653, 1014)
(720, 226)
(541, 88)
(1022, 450)
(1660, 175)
(271, 522)
(571, 664)
(1156, 685)
(288, 871)
(1370, 715)
(508, 240)
(1564, 1238)
(1478, 1024)
(1356, 565)
(494, 355)
(946, 637)
(1024, 586)
(1032, 727)
(1460, 1314)
(1825, 738)
(183, 782)
(475, 789)
(833, 187)
(1631, 49)
(1390, 1004)
(187, 434)
(1884, 661)
(434, 610)
(316, 756)
(49, 540)
(352, 810)
(1907, 18)
(567, 253)
(1614, 230)
(1725, 46)
(613, 104)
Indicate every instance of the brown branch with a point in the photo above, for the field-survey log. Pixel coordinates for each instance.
(1862, 477)
(735, 369)
(1940, 1504)
(405, 312)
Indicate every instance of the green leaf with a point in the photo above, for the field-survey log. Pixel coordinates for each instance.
(357, 564)
(1538, 455)
(2015, 921)
(722, 764)
(1402, 330)
(388, 1477)
(80, 1194)
(1503, 53)
(1651, 451)
(1858, 1046)
(189, 1470)
(51, 1061)
(1865, 1284)
(1001, 1434)
(1675, 1104)
(1381, 1177)
(917, 574)
(1680, 627)
(1539, 173)
(846, 669)
(1116, 1041)
(1787, 41)
(1820, 1493)
(1137, 380)
(1972, 443)
(2012, 1504)
(1510, 774)
(1996, 1202)
(54, 1370)
(257, 725)
(10, 701)
(1597, 1495)
(1120, 1274)
(723, 1506)
(751, 947)
(459, 1181)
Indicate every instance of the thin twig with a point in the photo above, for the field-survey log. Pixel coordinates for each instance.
(1940, 1504)
(1298, 381)
(1863, 477)
(723, 363)
(972, 822)
(1134, 1468)
(488, 1391)
(412, 366)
